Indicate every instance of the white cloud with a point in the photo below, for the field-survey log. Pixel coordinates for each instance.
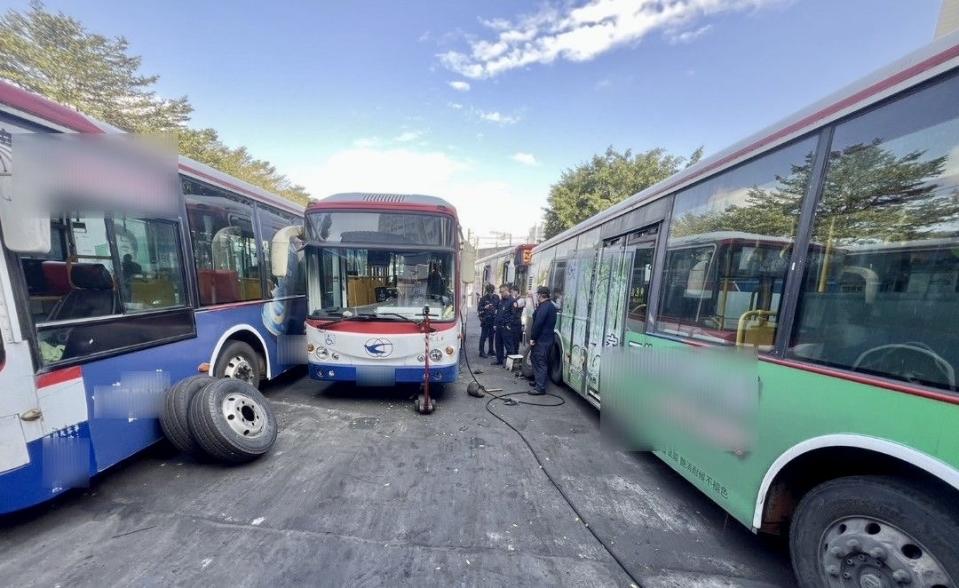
(460, 86)
(367, 142)
(581, 33)
(407, 136)
(676, 37)
(498, 118)
(455, 105)
(525, 158)
(479, 201)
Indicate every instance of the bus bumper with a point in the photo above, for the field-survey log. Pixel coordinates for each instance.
(377, 375)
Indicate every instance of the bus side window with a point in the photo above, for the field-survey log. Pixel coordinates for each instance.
(557, 281)
(729, 244)
(882, 287)
(224, 245)
(271, 221)
(151, 275)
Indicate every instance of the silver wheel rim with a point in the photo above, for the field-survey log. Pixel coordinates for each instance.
(244, 414)
(866, 552)
(238, 368)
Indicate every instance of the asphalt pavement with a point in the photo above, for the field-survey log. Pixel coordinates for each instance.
(360, 490)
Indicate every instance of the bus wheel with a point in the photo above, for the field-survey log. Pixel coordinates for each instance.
(874, 531)
(556, 365)
(239, 361)
(232, 422)
(174, 418)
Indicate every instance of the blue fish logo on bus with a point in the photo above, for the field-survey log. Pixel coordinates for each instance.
(378, 347)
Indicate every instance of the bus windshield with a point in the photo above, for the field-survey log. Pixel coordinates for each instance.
(382, 228)
(386, 284)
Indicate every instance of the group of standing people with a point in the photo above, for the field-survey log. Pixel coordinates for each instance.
(502, 328)
(501, 319)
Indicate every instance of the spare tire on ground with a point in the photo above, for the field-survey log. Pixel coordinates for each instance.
(231, 421)
(174, 417)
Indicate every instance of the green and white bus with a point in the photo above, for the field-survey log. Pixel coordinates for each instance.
(821, 257)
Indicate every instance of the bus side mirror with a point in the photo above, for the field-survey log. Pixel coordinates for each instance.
(467, 261)
(280, 249)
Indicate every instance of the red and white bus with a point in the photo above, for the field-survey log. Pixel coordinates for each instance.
(376, 265)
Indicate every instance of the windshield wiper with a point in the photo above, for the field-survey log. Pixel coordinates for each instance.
(401, 316)
(353, 317)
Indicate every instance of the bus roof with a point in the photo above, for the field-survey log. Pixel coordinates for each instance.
(923, 64)
(361, 200)
(39, 110)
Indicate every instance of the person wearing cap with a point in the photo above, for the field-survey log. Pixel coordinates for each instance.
(541, 338)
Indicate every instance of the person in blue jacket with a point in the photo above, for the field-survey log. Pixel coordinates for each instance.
(486, 308)
(502, 323)
(541, 337)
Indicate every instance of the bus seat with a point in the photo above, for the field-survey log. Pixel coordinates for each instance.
(251, 288)
(157, 292)
(92, 294)
(55, 277)
(217, 286)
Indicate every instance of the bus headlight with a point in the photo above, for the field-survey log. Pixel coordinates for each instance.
(322, 353)
(335, 355)
(449, 351)
(436, 354)
(421, 358)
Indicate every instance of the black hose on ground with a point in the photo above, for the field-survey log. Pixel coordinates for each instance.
(508, 400)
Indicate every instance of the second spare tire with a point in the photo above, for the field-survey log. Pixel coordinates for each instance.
(231, 421)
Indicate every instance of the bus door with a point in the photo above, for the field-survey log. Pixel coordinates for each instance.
(638, 271)
(584, 282)
(605, 324)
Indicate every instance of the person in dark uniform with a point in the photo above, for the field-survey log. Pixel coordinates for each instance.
(501, 324)
(486, 308)
(516, 325)
(541, 338)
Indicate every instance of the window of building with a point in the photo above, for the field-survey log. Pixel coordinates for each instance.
(881, 288)
(730, 241)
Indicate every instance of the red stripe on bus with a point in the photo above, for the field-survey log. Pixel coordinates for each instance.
(864, 379)
(46, 109)
(376, 327)
(59, 376)
(843, 375)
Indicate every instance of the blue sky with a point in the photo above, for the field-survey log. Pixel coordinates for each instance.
(358, 95)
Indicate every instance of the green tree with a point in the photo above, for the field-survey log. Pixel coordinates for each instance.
(869, 194)
(605, 180)
(54, 55)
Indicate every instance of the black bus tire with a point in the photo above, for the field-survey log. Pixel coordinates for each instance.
(555, 359)
(880, 511)
(237, 360)
(174, 417)
(231, 421)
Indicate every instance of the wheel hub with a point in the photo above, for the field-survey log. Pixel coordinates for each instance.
(243, 414)
(239, 368)
(864, 552)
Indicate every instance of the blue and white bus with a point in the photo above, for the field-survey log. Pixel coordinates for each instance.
(102, 309)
